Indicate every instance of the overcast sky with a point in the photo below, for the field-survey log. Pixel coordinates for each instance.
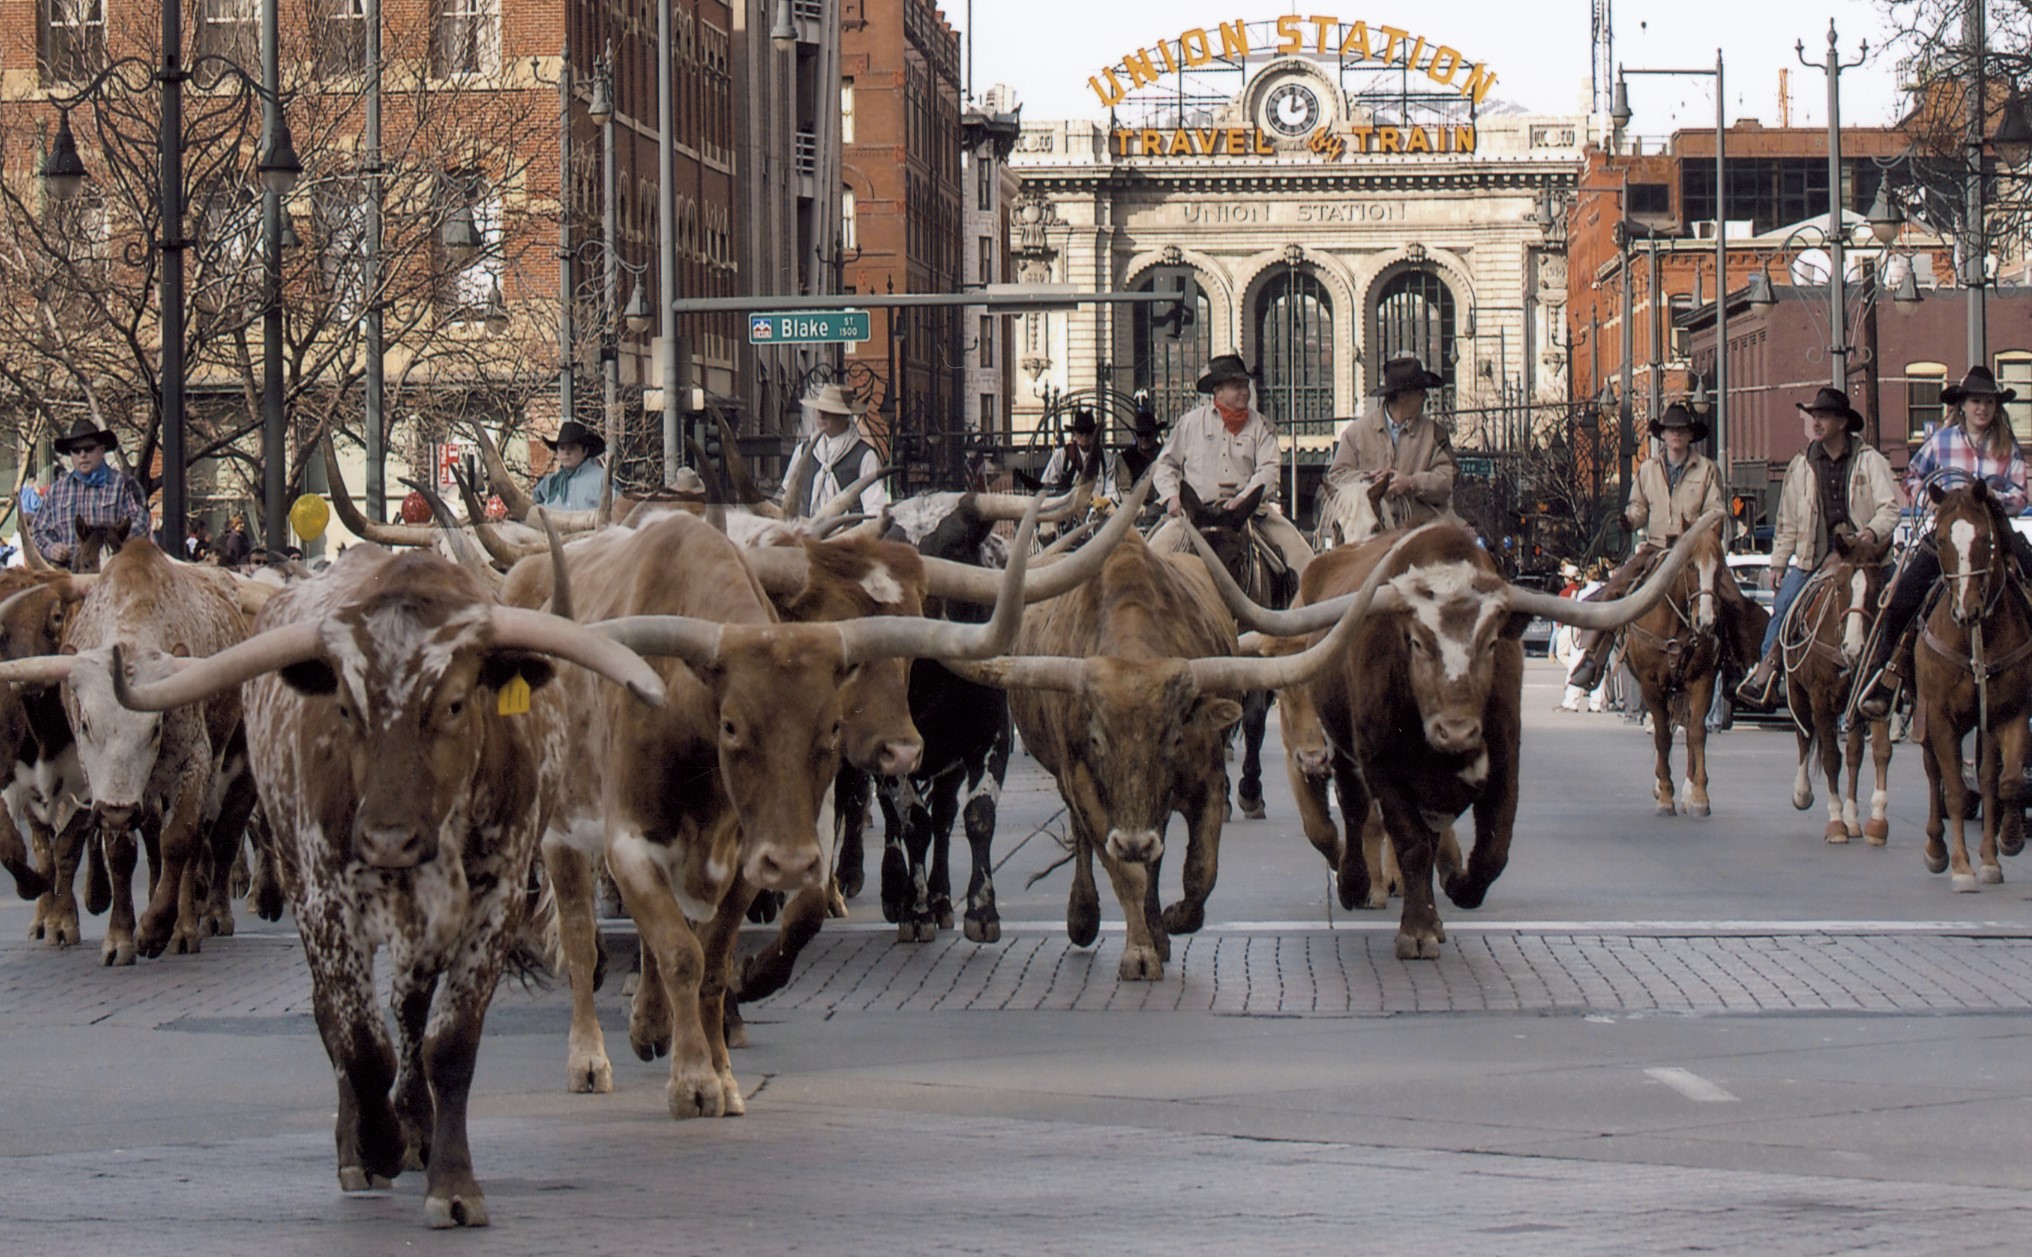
(1539, 49)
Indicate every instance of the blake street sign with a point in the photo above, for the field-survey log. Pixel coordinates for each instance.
(808, 327)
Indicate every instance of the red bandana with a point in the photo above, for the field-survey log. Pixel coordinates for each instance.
(1232, 420)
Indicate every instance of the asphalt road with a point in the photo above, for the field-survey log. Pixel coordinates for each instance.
(1659, 1035)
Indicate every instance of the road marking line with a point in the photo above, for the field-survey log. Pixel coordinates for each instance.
(1388, 925)
(1692, 1085)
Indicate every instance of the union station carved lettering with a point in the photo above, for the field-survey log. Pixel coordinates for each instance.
(1317, 213)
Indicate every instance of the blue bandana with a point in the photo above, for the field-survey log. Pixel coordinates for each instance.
(98, 478)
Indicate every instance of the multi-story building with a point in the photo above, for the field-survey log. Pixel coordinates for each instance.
(989, 136)
(901, 136)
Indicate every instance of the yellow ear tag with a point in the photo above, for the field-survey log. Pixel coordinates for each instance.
(514, 700)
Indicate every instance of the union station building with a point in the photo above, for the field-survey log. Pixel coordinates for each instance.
(1341, 193)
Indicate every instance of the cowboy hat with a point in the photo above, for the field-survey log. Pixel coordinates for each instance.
(1145, 425)
(1401, 375)
(572, 432)
(1083, 421)
(83, 430)
(1226, 369)
(831, 399)
(1678, 416)
(1979, 382)
(1832, 401)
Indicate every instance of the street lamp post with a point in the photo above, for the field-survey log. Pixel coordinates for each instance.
(1621, 113)
(666, 244)
(1832, 66)
(64, 172)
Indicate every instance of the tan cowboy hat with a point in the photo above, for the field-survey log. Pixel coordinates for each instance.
(833, 400)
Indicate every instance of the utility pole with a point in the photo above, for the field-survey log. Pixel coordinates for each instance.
(1975, 247)
(666, 247)
(370, 277)
(566, 386)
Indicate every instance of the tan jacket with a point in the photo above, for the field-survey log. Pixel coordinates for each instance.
(1670, 512)
(1423, 452)
(1201, 453)
(1873, 504)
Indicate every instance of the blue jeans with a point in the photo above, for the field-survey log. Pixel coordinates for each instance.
(1788, 593)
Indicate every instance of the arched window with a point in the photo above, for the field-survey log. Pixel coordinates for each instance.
(1295, 350)
(1414, 315)
(1170, 369)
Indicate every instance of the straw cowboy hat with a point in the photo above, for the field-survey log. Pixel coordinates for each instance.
(831, 399)
(1832, 401)
(1678, 416)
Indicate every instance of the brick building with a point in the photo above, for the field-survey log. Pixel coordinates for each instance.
(900, 155)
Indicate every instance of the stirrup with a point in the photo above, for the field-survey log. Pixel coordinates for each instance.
(1759, 698)
(1876, 696)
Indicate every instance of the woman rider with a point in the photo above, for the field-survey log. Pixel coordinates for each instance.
(1977, 441)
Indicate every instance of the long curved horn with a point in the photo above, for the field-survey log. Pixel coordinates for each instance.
(575, 643)
(497, 548)
(1010, 506)
(913, 637)
(39, 670)
(685, 637)
(359, 525)
(784, 571)
(1250, 614)
(1070, 538)
(560, 579)
(498, 477)
(200, 679)
(1027, 672)
(962, 582)
(1235, 675)
(21, 596)
(839, 524)
(31, 554)
(567, 521)
(846, 499)
(1608, 616)
(448, 527)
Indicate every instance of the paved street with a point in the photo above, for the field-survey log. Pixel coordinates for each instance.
(1660, 1035)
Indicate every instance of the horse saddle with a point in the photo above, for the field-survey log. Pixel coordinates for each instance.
(1268, 556)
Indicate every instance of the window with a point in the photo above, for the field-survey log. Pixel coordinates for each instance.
(985, 178)
(987, 413)
(469, 289)
(2014, 371)
(1414, 315)
(339, 223)
(1295, 345)
(1923, 382)
(73, 39)
(985, 269)
(1169, 369)
(849, 231)
(846, 111)
(1651, 199)
(467, 38)
(987, 340)
(340, 36)
(226, 28)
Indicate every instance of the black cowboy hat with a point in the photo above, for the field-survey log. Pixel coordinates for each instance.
(1977, 383)
(575, 433)
(84, 430)
(1223, 370)
(1401, 375)
(1145, 425)
(1678, 416)
(1834, 402)
(1083, 421)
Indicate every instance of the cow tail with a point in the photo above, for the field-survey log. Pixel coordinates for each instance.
(536, 955)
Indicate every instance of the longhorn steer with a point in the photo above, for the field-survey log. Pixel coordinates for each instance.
(153, 773)
(1420, 707)
(717, 796)
(44, 779)
(1117, 698)
(407, 794)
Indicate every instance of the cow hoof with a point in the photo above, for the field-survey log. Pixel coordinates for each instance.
(590, 1075)
(1379, 898)
(35, 929)
(1990, 875)
(695, 1095)
(61, 931)
(1413, 947)
(735, 1034)
(1184, 918)
(916, 931)
(1083, 920)
(1965, 883)
(267, 901)
(352, 1178)
(1836, 832)
(1935, 863)
(850, 880)
(1140, 964)
(1668, 808)
(945, 918)
(2011, 844)
(461, 1209)
(984, 929)
(629, 983)
(730, 1088)
(116, 953)
(1701, 810)
(184, 942)
(835, 904)
(649, 1047)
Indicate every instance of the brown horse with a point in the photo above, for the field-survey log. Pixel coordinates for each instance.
(1823, 641)
(1675, 652)
(1973, 671)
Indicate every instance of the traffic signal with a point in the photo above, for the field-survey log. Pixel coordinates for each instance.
(1177, 317)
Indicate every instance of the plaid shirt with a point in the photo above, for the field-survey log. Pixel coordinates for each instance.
(1949, 449)
(55, 523)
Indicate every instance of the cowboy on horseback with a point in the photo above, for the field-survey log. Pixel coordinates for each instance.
(1977, 442)
(1836, 485)
(1395, 453)
(1226, 451)
(1671, 492)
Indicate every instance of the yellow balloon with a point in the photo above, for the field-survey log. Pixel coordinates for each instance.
(309, 515)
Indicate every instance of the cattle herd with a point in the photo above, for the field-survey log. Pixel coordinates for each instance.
(433, 747)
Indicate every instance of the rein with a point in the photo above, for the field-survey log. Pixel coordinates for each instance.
(1976, 658)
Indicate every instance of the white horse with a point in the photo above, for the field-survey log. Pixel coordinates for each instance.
(1346, 516)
